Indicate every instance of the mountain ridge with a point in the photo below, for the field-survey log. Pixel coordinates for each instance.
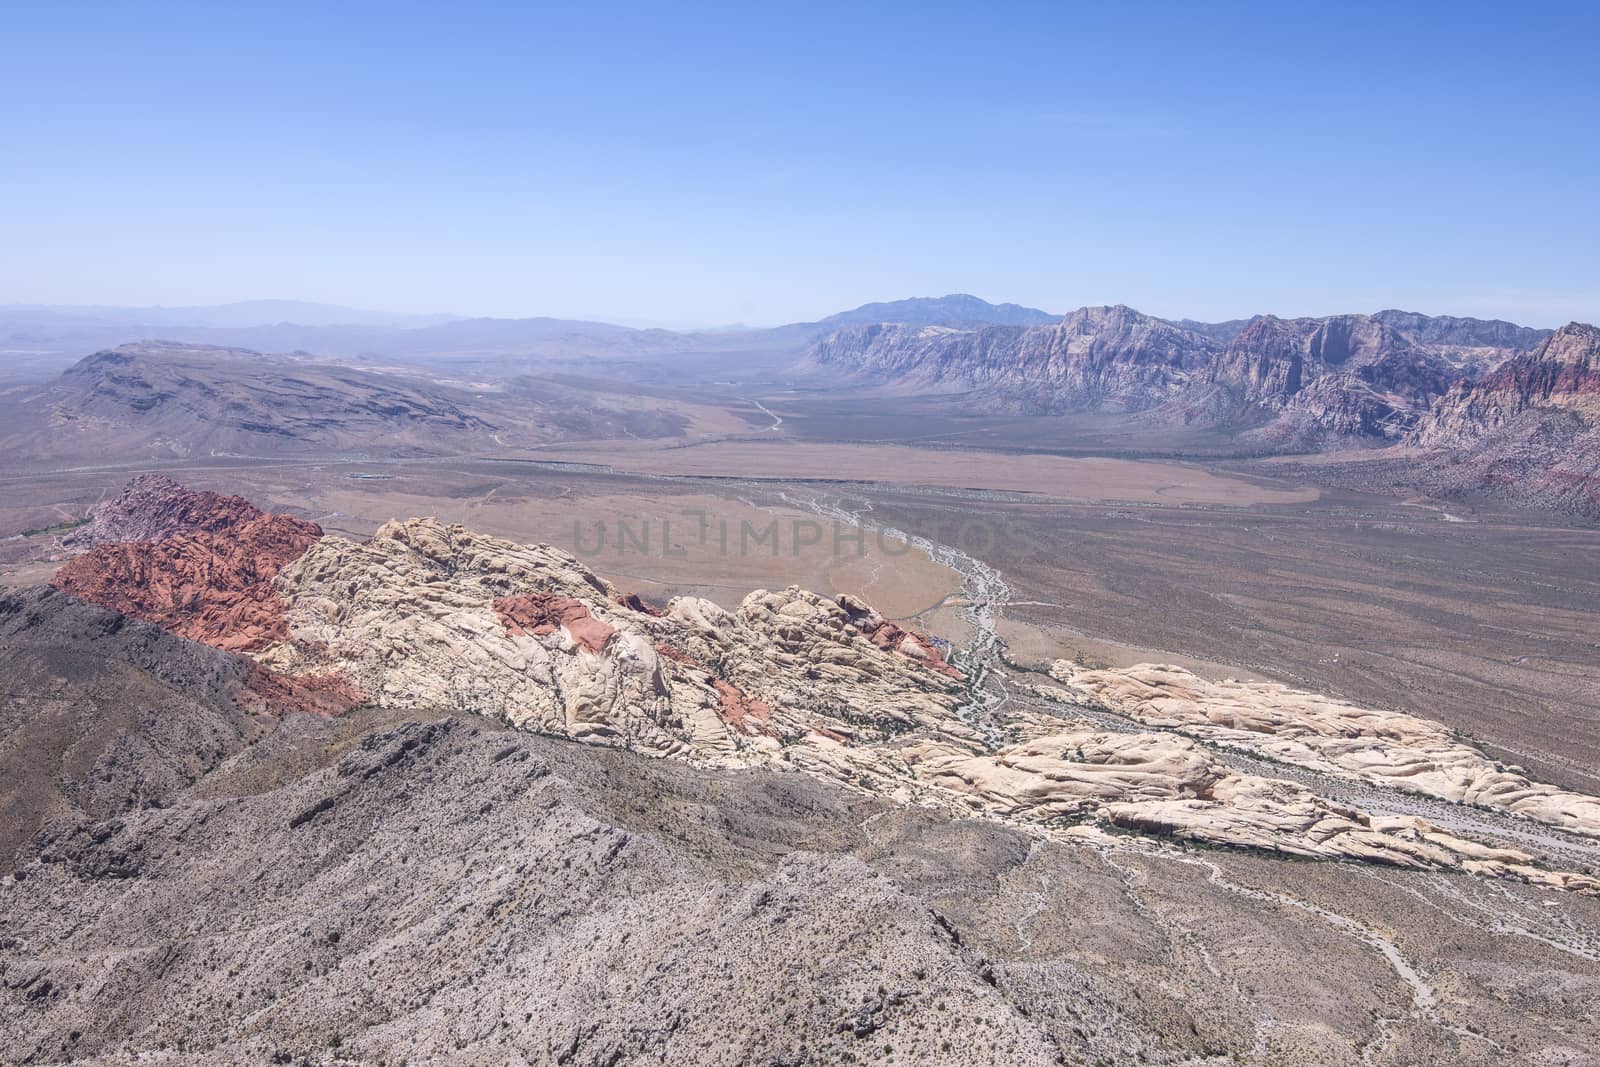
(1352, 376)
(41, 335)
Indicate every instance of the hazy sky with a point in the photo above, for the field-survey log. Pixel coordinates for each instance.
(766, 163)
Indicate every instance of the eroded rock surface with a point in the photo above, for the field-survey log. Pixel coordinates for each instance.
(432, 617)
(427, 614)
(212, 586)
(1322, 734)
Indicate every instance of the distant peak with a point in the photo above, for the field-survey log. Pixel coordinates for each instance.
(952, 309)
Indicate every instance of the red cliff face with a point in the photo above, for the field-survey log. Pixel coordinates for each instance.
(201, 565)
(213, 585)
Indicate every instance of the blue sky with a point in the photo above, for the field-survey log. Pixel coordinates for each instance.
(706, 164)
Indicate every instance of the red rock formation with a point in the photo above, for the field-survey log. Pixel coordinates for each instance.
(1563, 374)
(739, 711)
(328, 695)
(912, 643)
(1529, 431)
(214, 587)
(544, 613)
(153, 507)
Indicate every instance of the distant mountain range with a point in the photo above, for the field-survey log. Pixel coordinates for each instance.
(1489, 406)
(1289, 381)
(50, 336)
(1499, 406)
(53, 336)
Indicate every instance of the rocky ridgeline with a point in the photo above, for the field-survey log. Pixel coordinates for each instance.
(1494, 407)
(1294, 381)
(431, 616)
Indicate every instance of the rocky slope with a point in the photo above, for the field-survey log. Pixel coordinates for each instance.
(1529, 430)
(427, 615)
(1310, 381)
(440, 889)
(103, 714)
(447, 891)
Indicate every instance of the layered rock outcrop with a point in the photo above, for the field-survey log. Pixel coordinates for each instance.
(1169, 785)
(214, 587)
(431, 616)
(1326, 735)
(427, 614)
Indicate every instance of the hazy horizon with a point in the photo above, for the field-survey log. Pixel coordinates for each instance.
(690, 327)
(692, 169)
